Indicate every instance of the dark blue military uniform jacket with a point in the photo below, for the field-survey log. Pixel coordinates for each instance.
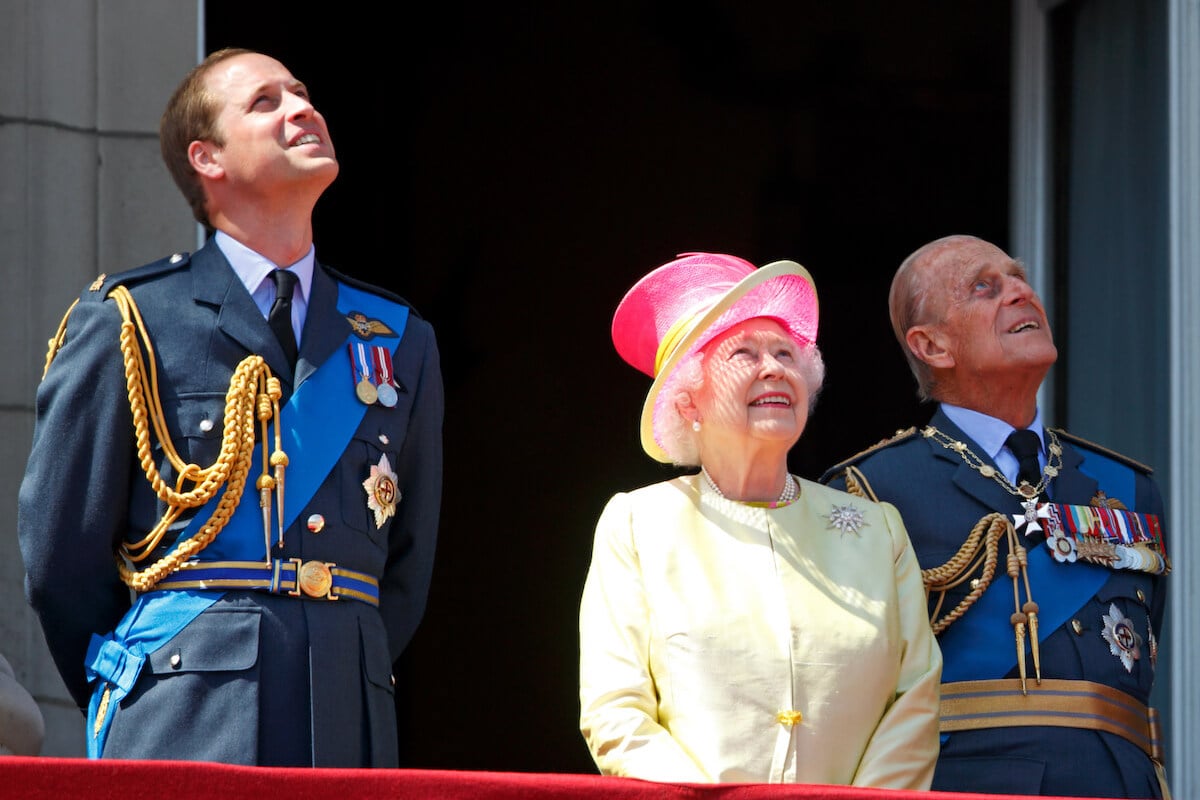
(940, 499)
(256, 678)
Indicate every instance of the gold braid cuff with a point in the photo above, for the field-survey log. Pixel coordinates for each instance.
(253, 397)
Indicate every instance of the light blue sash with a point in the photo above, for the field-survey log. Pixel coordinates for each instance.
(316, 423)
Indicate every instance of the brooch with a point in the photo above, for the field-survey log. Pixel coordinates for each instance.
(846, 519)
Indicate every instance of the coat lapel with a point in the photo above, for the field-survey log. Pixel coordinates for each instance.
(325, 328)
(214, 283)
(1072, 487)
(986, 491)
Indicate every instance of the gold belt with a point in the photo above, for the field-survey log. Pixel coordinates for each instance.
(975, 705)
(319, 580)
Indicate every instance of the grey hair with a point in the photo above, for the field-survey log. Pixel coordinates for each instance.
(678, 439)
(909, 303)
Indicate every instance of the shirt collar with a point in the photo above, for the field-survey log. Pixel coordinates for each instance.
(253, 268)
(988, 432)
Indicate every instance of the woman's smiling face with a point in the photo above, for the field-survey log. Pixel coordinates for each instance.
(753, 388)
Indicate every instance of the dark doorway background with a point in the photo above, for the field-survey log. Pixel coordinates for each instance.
(513, 170)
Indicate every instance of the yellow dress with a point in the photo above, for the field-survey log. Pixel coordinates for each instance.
(723, 642)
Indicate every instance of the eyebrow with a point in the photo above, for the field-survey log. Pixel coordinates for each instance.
(291, 86)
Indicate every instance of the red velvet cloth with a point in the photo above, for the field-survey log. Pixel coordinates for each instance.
(59, 778)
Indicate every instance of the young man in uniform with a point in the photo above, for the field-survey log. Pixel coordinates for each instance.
(230, 510)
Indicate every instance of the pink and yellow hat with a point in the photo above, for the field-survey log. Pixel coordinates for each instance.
(681, 306)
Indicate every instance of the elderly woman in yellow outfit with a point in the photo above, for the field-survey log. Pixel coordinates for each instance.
(742, 624)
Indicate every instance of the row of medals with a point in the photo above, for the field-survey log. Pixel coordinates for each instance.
(367, 391)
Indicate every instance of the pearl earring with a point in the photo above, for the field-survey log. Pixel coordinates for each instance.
(696, 425)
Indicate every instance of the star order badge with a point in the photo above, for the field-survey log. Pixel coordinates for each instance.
(1123, 640)
(382, 491)
(846, 519)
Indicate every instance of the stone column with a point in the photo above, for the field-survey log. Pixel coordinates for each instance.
(82, 191)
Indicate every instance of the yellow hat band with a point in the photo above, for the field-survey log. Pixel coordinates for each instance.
(673, 336)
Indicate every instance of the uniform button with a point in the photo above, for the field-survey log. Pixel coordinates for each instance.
(1077, 626)
(1141, 595)
(176, 258)
(316, 523)
(206, 425)
(176, 660)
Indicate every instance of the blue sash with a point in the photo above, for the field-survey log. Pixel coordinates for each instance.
(980, 645)
(315, 424)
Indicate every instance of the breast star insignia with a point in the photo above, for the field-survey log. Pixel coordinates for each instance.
(846, 519)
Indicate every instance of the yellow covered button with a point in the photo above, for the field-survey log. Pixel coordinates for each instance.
(789, 718)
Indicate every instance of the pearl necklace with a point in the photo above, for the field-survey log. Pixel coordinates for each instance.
(786, 496)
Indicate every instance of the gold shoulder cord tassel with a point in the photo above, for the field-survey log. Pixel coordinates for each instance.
(980, 554)
(1024, 616)
(253, 394)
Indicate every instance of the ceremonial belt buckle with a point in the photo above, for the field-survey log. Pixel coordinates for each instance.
(313, 578)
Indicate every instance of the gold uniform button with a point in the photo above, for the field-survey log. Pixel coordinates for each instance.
(314, 579)
(1077, 626)
(316, 523)
(1141, 595)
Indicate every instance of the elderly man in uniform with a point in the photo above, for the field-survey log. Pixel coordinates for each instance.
(1043, 554)
(230, 510)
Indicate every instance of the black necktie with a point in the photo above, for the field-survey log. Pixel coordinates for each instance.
(280, 315)
(1025, 445)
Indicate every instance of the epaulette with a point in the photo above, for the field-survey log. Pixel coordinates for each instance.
(370, 287)
(900, 436)
(1126, 460)
(104, 283)
(99, 289)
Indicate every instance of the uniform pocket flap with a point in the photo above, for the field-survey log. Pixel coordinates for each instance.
(215, 641)
(377, 661)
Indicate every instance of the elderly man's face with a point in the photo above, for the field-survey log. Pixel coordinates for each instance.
(991, 319)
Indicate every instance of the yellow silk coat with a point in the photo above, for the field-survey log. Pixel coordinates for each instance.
(706, 624)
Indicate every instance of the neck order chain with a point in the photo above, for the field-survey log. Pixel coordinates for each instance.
(786, 496)
(1027, 493)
